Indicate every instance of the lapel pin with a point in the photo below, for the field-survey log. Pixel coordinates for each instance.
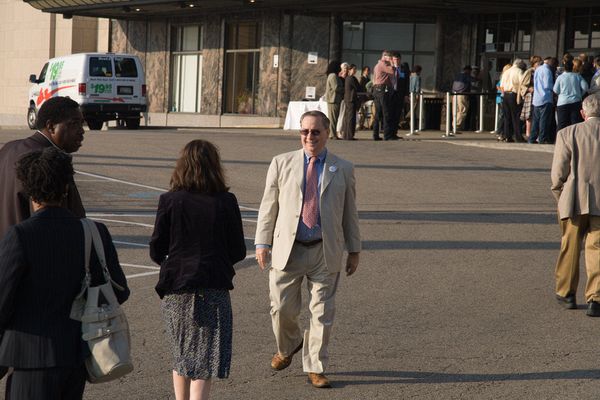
(333, 168)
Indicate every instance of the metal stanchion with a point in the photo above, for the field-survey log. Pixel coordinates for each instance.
(412, 115)
(481, 104)
(448, 105)
(454, 112)
(421, 111)
(496, 115)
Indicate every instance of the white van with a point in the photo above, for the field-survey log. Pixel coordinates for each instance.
(107, 86)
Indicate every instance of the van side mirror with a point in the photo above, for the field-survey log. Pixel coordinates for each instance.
(32, 78)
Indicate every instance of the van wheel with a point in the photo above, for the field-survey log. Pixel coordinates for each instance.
(31, 117)
(94, 124)
(132, 123)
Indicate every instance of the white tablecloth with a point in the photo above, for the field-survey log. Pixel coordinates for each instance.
(297, 108)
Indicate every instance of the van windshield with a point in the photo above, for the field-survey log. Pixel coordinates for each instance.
(101, 66)
(125, 67)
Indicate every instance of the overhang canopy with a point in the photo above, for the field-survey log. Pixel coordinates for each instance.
(155, 9)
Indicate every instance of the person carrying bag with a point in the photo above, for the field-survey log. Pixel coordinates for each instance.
(41, 275)
(103, 323)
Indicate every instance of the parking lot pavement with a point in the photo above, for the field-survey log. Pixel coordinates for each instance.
(453, 298)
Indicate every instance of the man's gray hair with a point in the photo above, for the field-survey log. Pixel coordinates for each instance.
(317, 114)
(519, 63)
(591, 105)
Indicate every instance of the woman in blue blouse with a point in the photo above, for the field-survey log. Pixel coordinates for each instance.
(570, 87)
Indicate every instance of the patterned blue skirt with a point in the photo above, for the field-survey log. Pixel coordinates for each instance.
(199, 329)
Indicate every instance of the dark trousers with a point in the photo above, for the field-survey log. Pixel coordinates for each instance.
(470, 123)
(46, 384)
(541, 123)
(397, 102)
(568, 114)
(383, 107)
(500, 130)
(512, 117)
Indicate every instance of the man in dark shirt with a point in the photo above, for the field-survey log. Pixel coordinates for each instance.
(400, 84)
(60, 124)
(461, 84)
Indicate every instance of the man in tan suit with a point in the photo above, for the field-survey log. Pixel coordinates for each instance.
(576, 187)
(307, 215)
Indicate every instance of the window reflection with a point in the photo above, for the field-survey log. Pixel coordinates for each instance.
(583, 28)
(241, 67)
(186, 68)
(363, 43)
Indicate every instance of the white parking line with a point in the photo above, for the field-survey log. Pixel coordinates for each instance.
(140, 185)
(156, 268)
(130, 243)
(117, 221)
(97, 217)
(121, 181)
(140, 266)
(141, 274)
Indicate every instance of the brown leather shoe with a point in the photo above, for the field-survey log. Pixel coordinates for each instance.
(279, 362)
(318, 380)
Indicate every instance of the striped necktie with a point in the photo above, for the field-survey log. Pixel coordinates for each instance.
(311, 198)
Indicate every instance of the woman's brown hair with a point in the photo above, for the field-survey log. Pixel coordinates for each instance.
(199, 169)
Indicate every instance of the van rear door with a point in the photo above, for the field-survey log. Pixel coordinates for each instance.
(101, 75)
(129, 80)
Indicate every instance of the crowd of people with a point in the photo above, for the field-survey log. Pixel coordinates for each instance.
(302, 229)
(380, 99)
(538, 100)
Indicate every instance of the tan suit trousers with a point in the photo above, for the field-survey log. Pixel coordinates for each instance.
(567, 267)
(286, 301)
(461, 108)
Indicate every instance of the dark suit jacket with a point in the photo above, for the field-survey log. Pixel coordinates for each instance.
(351, 88)
(14, 202)
(202, 236)
(41, 271)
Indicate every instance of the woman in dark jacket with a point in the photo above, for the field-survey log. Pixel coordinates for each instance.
(41, 272)
(351, 88)
(197, 238)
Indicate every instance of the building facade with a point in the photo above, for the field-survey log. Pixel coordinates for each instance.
(240, 66)
(28, 38)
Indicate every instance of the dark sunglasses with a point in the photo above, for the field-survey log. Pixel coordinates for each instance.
(305, 132)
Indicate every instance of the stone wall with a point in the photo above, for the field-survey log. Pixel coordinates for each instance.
(149, 41)
(212, 67)
(266, 101)
(285, 64)
(455, 48)
(309, 34)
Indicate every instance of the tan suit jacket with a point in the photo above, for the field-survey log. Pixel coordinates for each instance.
(575, 169)
(281, 206)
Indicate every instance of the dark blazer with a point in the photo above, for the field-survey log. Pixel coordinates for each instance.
(14, 202)
(351, 88)
(41, 271)
(196, 240)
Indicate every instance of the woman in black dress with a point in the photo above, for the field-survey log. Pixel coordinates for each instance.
(197, 238)
(351, 88)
